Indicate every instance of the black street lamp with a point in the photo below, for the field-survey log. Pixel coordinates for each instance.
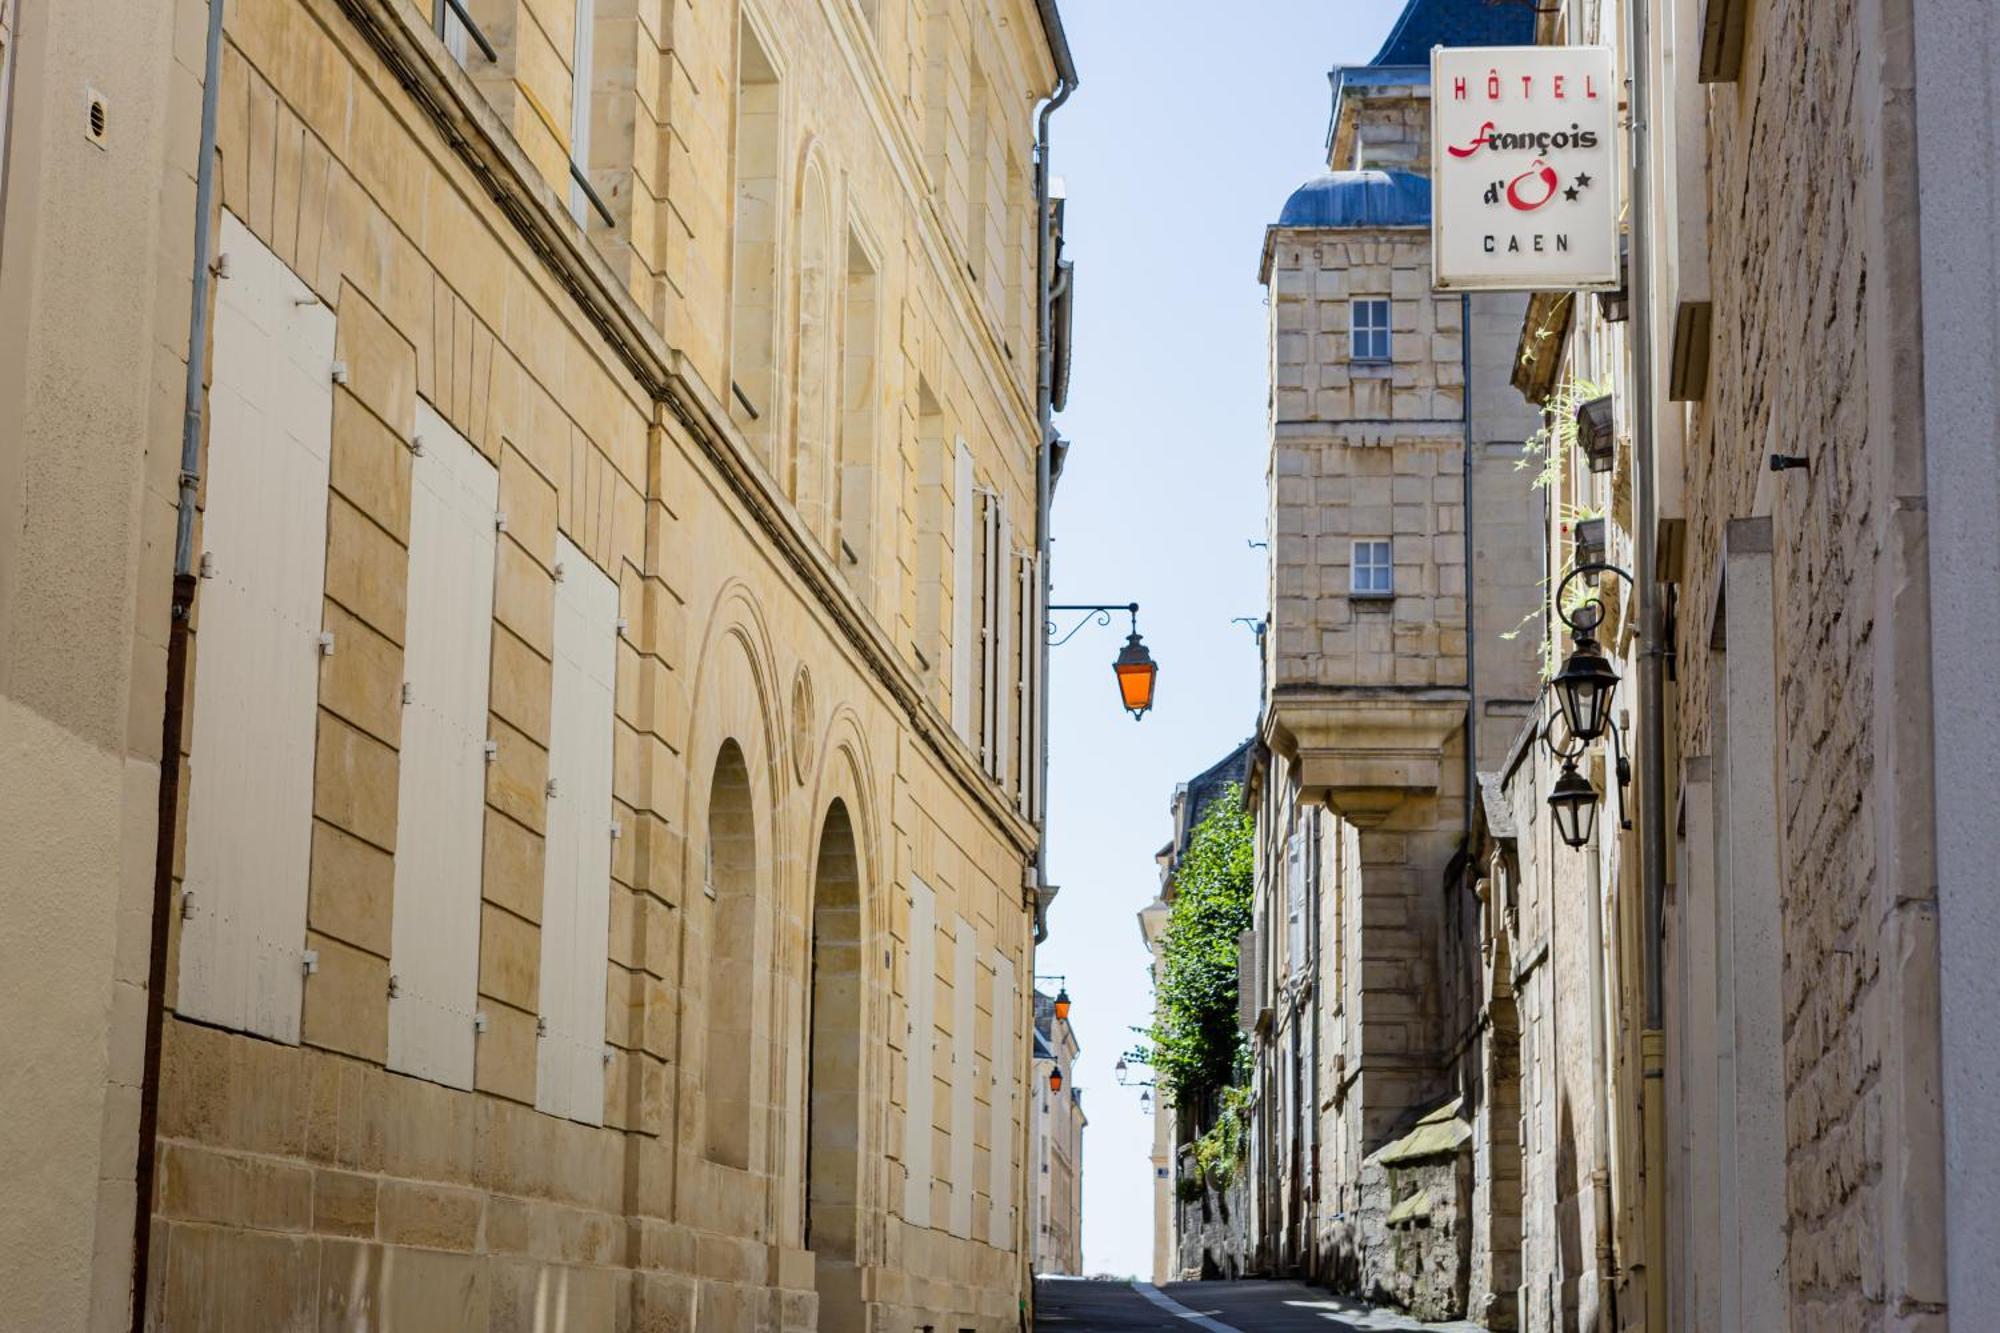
(1574, 802)
(1587, 680)
(1134, 665)
(1583, 689)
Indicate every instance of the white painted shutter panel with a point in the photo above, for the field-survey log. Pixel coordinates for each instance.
(257, 654)
(920, 1093)
(1295, 905)
(964, 499)
(1027, 687)
(1037, 631)
(441, 787)
(989, 658)
(576, 881)
(1003, 648)
(1000, 1222)
(965, 966)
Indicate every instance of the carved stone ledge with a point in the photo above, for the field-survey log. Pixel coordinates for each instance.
(1362, 752)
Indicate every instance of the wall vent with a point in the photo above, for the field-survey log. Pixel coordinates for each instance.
(97, 118)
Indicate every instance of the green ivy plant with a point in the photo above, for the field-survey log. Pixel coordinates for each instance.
(1226, 1144)
(1544, 451)
(1194, 1045)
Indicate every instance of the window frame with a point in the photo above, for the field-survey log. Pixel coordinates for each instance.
(1362, 334)
(1370, 547)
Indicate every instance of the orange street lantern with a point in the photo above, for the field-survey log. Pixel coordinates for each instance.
(1055, 1080)
(1136, 673)
(1062, 1004)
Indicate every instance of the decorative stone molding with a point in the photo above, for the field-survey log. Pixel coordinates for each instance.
(1361, 752)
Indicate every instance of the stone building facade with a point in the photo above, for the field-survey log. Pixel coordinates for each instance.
(1056, 1152)
(598, 876)
(1817, 1154)
(1403, 546)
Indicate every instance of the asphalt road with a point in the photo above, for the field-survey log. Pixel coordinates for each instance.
(1069, 1305)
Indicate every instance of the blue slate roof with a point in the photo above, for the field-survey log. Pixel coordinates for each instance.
(1360, 199)
(1428, 23)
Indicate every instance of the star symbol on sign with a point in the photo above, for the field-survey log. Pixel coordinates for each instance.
(1570, 194)
(1583, 181)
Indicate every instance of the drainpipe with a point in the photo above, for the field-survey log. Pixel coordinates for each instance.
(177, 652)
(1066, 82)
(1471, 639)
(1600, 1069)
(1652, 726)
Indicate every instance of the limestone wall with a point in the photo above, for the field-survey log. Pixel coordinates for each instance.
(326, 1186)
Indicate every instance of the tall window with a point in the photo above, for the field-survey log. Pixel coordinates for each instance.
(754, 282)
(1372, 572)
(580, 201)
(810, 479)
(854, 482)
(1370, 328)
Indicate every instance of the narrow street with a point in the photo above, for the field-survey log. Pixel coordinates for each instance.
(1072, 1305)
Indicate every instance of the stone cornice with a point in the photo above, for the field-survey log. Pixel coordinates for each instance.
(469, 125)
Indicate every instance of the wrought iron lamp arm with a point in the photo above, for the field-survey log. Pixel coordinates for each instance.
(1594, 603)
(1097, 612)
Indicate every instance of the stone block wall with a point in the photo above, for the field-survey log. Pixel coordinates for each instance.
(1817, 129)
(327, 1187)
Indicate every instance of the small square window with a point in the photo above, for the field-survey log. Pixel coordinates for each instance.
(1369, 325)
(1372, 573)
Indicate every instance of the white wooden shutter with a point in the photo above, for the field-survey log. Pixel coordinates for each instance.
(1295, 904)
(919, 1092)
(1028, 599)
(965, 966)
(989, 657)
(1000, 1221)
(1037, 633)
(1002, 647)
(257, 650)
(576, 879)
(441, 786)
(964, 498)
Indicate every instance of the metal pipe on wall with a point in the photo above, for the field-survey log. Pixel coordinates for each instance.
(172, 722)
(1652, 651)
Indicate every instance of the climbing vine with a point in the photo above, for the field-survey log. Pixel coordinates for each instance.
(1194, 1045)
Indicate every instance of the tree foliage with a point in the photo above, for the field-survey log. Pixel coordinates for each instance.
(1196, 1047)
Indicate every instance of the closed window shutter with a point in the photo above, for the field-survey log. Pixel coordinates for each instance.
(1029, 688)
(965, 965)
(1000, 1221)
(989, 623)
(1003, 648)
(257, 651)
(920, 1092)
(441, 791)
(1295, 905)
(963, 626)
(576, 883)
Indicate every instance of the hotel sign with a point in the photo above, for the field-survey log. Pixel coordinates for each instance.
(1523, 187)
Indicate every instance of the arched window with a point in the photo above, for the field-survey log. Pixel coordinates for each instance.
(729, 883)
(833, 1141)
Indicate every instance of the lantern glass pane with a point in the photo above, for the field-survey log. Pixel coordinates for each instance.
(1135, 686)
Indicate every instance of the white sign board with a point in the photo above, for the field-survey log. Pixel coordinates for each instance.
(1524, 195)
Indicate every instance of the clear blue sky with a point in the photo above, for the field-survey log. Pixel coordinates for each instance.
(1193, 123)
